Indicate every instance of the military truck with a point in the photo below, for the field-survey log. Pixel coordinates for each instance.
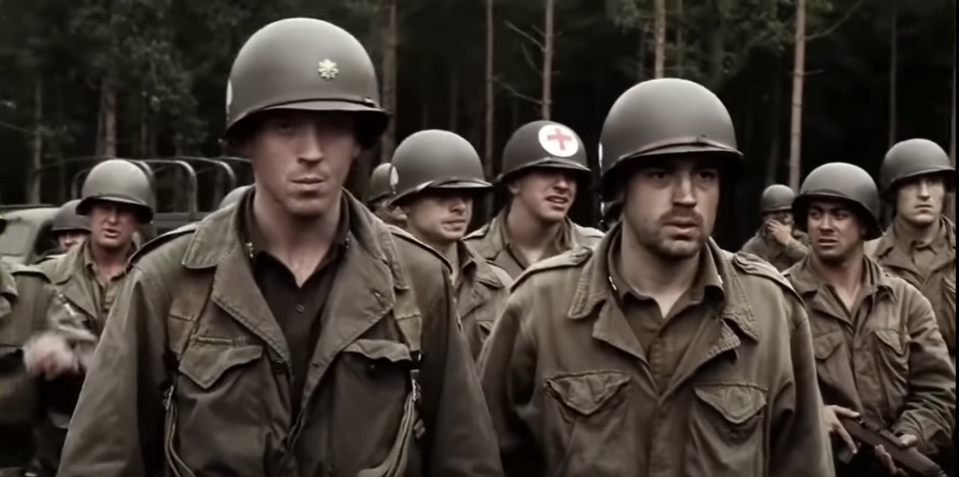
(27, 236)
(187, 190)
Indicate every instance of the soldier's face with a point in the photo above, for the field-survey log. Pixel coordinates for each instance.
(671, 207)
(546, 193)
(388, 213)
(834, 231)
(301, 159)
(69, 240)
(112, 225)
(920, 202)
(440, 217)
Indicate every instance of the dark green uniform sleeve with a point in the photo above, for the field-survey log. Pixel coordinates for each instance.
(508, 375)
(117, 427)
(800, 445)
(930, 411)
(796, 250)
(460, 441)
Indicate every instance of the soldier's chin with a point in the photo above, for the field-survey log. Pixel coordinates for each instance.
(679, 249)
(308, 208)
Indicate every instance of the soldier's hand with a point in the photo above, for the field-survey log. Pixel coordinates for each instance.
(50, 355)
(779, 231)
(831, 416)
(905, 441)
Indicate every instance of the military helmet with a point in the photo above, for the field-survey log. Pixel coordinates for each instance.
(612, 211)
(777, 198)
(233, 196)
(68, 220)
(382, 181)
(913, 158)
(663, 117)
(544, 145)
(844, 182)
(118, 181)
(436, 159)
(305, 64)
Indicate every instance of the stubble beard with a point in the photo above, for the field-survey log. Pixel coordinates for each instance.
(650, 237)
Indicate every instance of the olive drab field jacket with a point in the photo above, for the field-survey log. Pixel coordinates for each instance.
(191, 375)
(481, 297)
(492, 243)
(937, 283)
(572, 393)
(29, 305)
(780, 256)
(887, 360)
(72, 276)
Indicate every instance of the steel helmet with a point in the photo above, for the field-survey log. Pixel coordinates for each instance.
(663, 117)
(122, 182)
(544, 145)
(436, 159)
(844, 182)
(305, 64)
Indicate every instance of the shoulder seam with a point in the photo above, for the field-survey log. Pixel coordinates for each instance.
(409, 238)
(572, 259)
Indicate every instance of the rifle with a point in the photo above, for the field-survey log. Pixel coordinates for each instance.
(909, 459)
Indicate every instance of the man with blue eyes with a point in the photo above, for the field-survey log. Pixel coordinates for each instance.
(657, 354)
(293, 333)
(880, 357)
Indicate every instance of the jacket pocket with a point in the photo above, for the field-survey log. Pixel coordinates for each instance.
(831, 367)
(220, 392)
(205, 364)
(372, 382)
(726, 431)
(589, 430)
(892, 354)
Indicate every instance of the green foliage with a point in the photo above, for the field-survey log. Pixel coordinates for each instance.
(169, 60)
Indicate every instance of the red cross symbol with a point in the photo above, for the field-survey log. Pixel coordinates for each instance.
(559, 137)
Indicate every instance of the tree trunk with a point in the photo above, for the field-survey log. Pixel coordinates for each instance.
(951, 198)
(454, 101)
(659, 28)
(643, 53)
(549, 41)
(680, 27)
(893, 71)
(143, 147)
(799, 77)
(489, 103)
(107, 135)
(774, 159)
(35, 180)
(390, 44)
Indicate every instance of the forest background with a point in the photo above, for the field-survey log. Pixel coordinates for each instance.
(807, 81)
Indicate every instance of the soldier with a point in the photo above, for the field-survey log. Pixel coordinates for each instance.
(439, 175)
(234, 196)
(69, 228)
(40, 343)
(382, 185)
(544, 166)
(117, 199)
(879, 354)
(657, 354)
(778, 242)
(920, 247)
(293, 334)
